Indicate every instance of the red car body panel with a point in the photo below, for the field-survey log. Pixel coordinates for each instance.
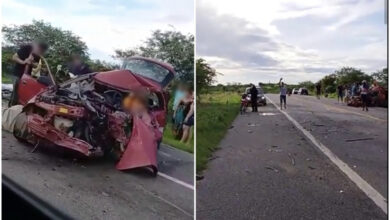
(28, 88)
(141, 150)
(141, 147)
(39, 127)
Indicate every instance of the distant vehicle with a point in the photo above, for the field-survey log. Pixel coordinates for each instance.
(260, 95)
(295, 91)
(303, 91)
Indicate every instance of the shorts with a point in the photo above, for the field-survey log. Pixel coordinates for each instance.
(283, 99)
(364, 98)
(190, 121)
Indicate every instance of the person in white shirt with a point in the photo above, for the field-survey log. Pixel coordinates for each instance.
(283, 93)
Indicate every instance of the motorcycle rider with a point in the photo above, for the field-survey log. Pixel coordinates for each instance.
(254, 92)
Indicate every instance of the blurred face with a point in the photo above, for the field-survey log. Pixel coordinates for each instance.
(35, 49)
(76, 61)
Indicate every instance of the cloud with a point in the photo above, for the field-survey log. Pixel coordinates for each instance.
(301, 40)
(105, 25)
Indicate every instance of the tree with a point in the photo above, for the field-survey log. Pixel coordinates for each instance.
(62, 44)
(172, 47)
(381, 77)
(328, 83)
(349, 75)
(205, 75)
(307, 84)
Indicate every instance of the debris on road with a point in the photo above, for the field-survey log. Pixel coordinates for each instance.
(312, 168)
(292, 159)
(275, 150)
(267, 113)
(231, 127)
(105, 194)
(199, 177)
(273, 169)
(359, 139)
(250, 131)
(213, 158)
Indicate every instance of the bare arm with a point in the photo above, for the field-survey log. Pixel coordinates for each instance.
(190, 112)
(16, 59)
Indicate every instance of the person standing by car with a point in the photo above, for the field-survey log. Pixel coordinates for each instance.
(283, 93)
(364, 94)
(318, 89)
(254, 94)
(78, 67)
(188, 122)
(28, 56)
(340, 90)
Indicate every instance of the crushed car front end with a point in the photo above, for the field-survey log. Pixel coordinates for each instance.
(86, 115)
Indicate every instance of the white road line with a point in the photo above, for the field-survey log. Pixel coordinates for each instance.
(189, 186)
(166, 201)
(374, 195)
(165, 154)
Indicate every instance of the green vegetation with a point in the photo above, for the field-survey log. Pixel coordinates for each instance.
(172, 141)
(172, 47)
(214, 115)
(169, 138)
(6, 78)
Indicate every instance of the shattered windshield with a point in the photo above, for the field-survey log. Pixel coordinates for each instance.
(148, 69)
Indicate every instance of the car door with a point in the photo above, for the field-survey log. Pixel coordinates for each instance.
(28, 88)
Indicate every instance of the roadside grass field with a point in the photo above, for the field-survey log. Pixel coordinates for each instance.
(169, 139)
(214, 114)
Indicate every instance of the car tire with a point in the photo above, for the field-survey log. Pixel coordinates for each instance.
(20, 131)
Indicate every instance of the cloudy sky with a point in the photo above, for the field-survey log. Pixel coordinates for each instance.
(105, 25)
(252, 41)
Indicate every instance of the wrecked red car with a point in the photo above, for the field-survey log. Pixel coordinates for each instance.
(97, 114)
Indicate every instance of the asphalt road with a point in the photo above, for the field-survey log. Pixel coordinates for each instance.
(266, 168)
(94, 189)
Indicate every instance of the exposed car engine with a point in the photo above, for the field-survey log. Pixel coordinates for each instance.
(90, 112)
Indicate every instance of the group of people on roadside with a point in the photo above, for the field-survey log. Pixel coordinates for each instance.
(356, 89)
(28, 60)
(183, 112)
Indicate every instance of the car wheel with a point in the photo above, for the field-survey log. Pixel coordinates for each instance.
(20, 128)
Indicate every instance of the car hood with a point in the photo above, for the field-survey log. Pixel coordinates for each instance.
(126, 80)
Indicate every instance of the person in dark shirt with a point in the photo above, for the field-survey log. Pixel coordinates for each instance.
(78, 67)
(254, 92)
(318, 88)
(340, 93)
(26, 58)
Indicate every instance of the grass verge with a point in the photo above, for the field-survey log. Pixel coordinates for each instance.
(6, 78)
(214, 115)
(170, 140)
